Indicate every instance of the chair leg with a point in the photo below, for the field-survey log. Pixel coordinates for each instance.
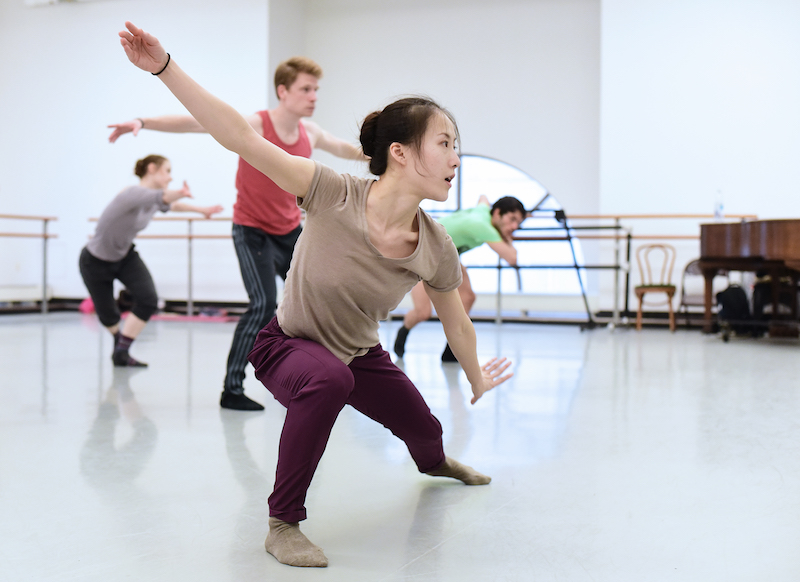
(639, 313)
(671, 313)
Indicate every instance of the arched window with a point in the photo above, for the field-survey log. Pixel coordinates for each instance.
(480, 175)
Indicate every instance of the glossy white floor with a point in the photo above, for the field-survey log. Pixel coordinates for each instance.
(616, 456)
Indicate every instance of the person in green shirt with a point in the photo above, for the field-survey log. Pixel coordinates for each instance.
(469, 229)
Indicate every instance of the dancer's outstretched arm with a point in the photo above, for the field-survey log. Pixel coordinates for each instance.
(223, 122)
(461, 336)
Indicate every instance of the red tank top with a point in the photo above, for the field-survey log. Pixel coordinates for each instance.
(260, 203)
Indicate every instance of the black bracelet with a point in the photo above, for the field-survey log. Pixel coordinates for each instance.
(140, 120)
(162, 70)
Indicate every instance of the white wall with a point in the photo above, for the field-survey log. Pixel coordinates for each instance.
(64, 78)
(700, 96)
(629, 106)
(286, 36)
(521, 77)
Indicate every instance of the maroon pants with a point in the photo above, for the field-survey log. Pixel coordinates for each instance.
(314, 385)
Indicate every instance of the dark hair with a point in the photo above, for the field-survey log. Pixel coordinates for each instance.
(405, 121)
(508, 204)
(141, 165)
(287, 72)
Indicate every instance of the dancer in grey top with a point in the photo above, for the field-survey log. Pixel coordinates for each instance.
(111, 254)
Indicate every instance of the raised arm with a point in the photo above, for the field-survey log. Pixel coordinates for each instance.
(506, 251)
(169, 124)
(207, 211)
(174, 199)
(330, 143)
(172, 196)
(461, 336)
(166, 123)
(225, 124)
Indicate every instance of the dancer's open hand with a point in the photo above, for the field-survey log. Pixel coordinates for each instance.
(209, 211)
(123, 128)
(185, 192)
(143, 49)
(492, 376)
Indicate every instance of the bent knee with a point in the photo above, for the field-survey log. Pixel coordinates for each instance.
(420, 313)
(145, 307)
(337, 382)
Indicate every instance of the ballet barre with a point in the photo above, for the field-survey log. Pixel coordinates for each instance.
(188, 237)
(623, 234)
(44, 235)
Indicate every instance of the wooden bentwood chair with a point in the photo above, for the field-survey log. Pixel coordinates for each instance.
(663, 259)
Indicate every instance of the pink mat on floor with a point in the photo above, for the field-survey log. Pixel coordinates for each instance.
(179, 317)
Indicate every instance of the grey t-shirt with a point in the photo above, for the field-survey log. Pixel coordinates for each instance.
(339, 285)
(127, 214)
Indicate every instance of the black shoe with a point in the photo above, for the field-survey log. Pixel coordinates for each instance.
(400, 342)
(238, 402)
(122, 359)
(448, 355)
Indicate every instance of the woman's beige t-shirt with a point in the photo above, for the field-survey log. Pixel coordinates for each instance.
(339, 286)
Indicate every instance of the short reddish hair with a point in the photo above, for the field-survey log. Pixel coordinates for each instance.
(286, 73)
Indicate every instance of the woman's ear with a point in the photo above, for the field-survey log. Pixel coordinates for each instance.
(398, 153)
(152, 168)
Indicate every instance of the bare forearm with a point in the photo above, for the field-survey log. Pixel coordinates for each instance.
(506, 251)
(173, 124)
(462, 340)
(334, 145)
(170, 197)
(351, 152)
(180, 206)
(218, 118)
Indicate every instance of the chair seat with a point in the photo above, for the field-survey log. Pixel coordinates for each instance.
(655, 286)
(669, 289)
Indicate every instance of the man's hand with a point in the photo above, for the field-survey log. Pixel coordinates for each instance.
(122, 128)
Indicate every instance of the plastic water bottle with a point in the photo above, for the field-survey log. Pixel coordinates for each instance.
(719, 208)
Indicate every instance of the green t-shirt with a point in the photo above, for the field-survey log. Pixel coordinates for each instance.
(471, 228)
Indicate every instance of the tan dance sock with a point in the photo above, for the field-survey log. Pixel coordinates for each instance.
(454, 469)
(289, 546)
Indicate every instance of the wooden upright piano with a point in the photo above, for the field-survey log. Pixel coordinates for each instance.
(771, 247)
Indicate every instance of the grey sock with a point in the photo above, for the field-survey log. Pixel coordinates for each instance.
(290, 546)
(454, 469)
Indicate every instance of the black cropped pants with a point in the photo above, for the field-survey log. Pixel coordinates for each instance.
(99, 275)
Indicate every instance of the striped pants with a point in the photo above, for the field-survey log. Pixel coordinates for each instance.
(261, 256)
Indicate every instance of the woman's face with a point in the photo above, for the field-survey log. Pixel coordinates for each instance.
(162, 175)
(438, 158)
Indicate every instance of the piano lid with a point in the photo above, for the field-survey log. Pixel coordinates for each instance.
(774, 240)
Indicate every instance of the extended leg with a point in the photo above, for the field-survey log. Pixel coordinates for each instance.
(314, 386)
(385, 394)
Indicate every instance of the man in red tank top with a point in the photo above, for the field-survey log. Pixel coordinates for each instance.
(266, 219)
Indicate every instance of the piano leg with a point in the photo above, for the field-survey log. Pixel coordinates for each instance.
(708, 276)
(780, 325)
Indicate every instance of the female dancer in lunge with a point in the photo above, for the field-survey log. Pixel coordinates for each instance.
(365, 244)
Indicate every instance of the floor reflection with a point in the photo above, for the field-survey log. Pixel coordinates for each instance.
(120, 444)
(110, 465)
(251, 527)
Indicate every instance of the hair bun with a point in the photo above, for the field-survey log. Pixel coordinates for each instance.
(369, 130)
